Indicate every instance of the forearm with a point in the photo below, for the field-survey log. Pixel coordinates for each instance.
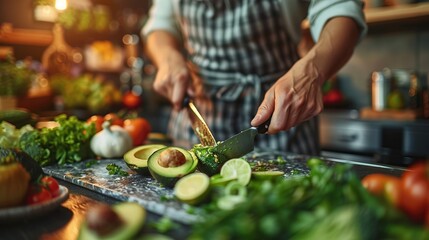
(334, 48)
(160, 45)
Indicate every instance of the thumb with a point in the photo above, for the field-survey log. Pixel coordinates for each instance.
(264, 112)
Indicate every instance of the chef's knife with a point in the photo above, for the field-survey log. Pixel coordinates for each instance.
(241, 143)
(199, 126)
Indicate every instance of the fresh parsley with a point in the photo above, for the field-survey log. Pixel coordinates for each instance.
(114, 169)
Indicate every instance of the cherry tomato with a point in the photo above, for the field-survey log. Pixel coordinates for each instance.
(415, 192)
(114, 119)
(97, 120)
(384, 186)
(37, 194)
(51, 184)
(130, 100)
(138, 128)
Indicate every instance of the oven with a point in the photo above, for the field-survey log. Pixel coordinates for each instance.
(344, 135)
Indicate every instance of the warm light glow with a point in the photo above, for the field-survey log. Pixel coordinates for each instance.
(61, 5)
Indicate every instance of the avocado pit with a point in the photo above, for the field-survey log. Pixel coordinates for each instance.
(171, 158)
(103, 220)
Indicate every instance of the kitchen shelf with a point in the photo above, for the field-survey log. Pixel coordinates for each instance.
(20, 36)
(400, 17)
(397, 13)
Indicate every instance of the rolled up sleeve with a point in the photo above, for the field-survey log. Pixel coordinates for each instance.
(161, 17)
(321, 11)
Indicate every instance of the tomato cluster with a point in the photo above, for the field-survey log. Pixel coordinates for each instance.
(410, 192)
(43, 190)
(138, 127)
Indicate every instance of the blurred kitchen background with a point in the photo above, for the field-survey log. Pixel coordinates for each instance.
(86, 58)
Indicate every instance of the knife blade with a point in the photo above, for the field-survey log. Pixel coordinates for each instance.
(199, 126)
(241, 143)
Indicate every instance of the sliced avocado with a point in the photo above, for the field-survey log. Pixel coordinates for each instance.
(168, 176)
(131, 213)
(209, 162)
(32, 167)
(136, 158)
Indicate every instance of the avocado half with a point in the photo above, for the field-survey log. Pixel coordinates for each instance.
(136, 159)
(168, 176)
(131, 213)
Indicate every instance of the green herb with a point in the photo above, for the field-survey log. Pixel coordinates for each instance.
(116, 170)
(165, 198)
(164, 225)
(329, 203)
(15, 80)
(90, 163)
(67, 143)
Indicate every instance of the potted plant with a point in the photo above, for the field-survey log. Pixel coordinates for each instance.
(15, 81)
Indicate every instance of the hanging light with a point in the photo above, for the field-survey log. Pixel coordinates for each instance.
(61, 5)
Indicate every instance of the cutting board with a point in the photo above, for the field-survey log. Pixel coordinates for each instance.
(147, 191)
(389, 114)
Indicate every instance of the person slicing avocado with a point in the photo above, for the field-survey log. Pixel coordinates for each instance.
(240, 62)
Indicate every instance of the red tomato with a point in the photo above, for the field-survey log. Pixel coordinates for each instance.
(51, 184)
(385, 186)
(138, 128)
(97, 120)
(37, 194)
(130, 100)
(114, 119)
(415, 192)
(334, 96)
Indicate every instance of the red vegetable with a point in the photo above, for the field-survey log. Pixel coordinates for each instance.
(51, 184)
(385, 186)
(138, 128)
(37, 194)
(415, 192)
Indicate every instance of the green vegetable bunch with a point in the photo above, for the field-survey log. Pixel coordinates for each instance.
(95, 94)
(67, 143)
(14, 80)
(329, 203)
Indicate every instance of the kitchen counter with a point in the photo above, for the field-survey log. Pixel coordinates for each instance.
(63, 222)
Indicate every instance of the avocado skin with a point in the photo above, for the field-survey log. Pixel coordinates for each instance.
(161, 176)
(140, 170)
(141, 155)
(209, 162)
(32, 167)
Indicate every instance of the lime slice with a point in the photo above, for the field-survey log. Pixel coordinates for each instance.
(235, 193)
(237, 168)
(192, 188)
(267, 175)
(218, 180)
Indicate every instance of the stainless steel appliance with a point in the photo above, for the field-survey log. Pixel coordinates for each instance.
(343, 134)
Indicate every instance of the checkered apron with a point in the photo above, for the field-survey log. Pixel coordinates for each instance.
(238, 48)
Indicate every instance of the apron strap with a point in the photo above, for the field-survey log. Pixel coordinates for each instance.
(230, 86)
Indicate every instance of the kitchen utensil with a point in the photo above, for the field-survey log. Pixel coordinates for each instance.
(198, 124)
(241, 143)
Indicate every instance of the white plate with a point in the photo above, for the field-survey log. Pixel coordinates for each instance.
(30, 211)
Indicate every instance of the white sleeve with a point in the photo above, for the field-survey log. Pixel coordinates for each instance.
(321, 11)
(161, 17)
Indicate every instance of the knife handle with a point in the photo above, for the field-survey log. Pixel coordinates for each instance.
(186, 101)
(263, 128)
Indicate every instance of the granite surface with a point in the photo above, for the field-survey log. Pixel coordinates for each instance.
(147, 191)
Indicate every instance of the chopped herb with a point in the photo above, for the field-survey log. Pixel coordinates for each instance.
(164, 225)
(295, 172)
(165, 198)
(90, 163)
(116, 170)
